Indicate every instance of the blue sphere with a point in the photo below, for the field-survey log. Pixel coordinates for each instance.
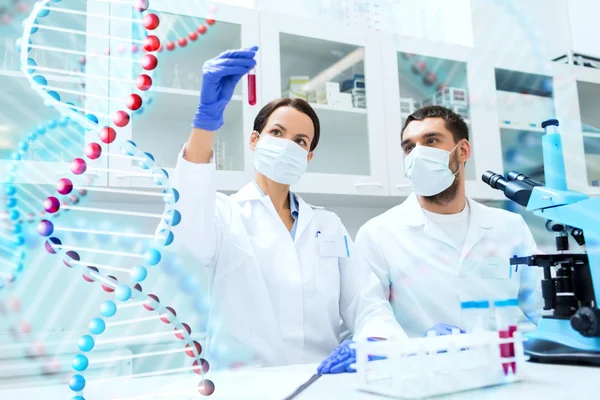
(139, 273)
(43, 13)
(40, 130)
(152, 257)
(17, 228)
(10, 203)
(34, 29)
(32, 136)
(77, 383)
(20, 240)
(18, 44)
(123, 292)
(10, 190)
(23, 145)
(172, 217)
(80, 362)
(64, 121)
(86, 343)
(18, 267)
(164, 238)
(76, 397)
(108, 309)
(170, 196)
(40, 80)
(97, 326)
(54, 95)
(15, 156)
(51, 124)
(189, 284)
(13, 215)
(32, 64)
(92, 118)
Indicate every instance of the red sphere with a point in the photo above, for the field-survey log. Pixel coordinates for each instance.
(151, 22)
(140, 5)
(201, 29)
(210, 21)
(64, 186)
(179, 335)
(190, 351)
(51, 205)
(171, 46)
(92, 151)
(143, 82)
(166, 318)
(206, 387)
(149, 62)
(110, 289)
(148, 306)
(120, 119)
(151, 43)
(203, 365)
(429, 78)
(193, 36)
(108, 134)
(182, 42)
(78, 166)
(134, 102)
(87, 278)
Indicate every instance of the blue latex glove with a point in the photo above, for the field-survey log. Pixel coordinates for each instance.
(219, 77)
(441, 329)
(340, 359)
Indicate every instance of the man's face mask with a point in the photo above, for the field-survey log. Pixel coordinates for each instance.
(428, 171)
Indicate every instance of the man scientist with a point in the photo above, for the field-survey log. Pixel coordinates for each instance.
(439, 247)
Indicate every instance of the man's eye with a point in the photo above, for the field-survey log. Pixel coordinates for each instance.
(432, 141)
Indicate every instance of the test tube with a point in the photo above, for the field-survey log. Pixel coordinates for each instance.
(505, 322)
(252, 87)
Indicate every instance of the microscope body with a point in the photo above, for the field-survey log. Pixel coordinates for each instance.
(572, 332)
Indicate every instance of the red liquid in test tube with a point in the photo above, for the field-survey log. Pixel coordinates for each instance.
(252, 87)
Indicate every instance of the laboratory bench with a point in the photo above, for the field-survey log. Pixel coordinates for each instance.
(540, 381)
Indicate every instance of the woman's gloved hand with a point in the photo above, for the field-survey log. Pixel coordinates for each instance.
(441, 329)
(220, 75)
(341, 359)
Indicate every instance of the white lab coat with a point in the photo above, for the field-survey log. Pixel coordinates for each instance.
(280, 297)
(426, 277)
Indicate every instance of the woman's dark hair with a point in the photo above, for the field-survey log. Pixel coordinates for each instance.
(301, 105)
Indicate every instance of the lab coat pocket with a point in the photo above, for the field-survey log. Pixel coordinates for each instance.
(495, 268)
(327, 276)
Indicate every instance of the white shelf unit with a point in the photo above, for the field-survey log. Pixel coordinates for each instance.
(165, 128)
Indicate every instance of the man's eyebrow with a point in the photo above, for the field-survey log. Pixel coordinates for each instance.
(425, 136)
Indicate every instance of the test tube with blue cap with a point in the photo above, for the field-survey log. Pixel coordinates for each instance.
(476, 315)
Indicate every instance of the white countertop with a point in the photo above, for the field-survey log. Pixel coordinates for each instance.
(544, 382)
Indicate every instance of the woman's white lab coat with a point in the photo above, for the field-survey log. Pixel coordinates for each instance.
(426, 277)
(281, 298)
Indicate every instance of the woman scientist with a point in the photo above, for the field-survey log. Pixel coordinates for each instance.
(282, 272)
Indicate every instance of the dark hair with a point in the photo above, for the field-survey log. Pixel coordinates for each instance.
(301, 105)
(454, 122)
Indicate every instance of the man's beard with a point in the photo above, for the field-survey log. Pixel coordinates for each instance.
(445, 197)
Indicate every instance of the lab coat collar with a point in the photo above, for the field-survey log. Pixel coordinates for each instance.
(305, 214)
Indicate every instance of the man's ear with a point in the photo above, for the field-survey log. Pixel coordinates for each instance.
(464, 151)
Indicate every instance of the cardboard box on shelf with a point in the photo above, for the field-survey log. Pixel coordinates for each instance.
(296, 85)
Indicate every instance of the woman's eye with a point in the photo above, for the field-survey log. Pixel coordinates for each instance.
(301, 142)
(276, 132)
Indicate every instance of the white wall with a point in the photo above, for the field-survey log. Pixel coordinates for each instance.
(585, 30)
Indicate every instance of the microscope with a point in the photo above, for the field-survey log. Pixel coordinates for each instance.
(571, 283)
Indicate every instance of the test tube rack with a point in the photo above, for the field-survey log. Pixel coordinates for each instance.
(432, 366)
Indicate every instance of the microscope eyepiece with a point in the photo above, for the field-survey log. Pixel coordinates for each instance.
(496, 181)
(515, 176)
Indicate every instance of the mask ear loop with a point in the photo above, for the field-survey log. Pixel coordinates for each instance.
(459, 165)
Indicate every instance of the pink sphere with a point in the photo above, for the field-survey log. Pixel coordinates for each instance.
(149, 62)
(64, 186)
(110, 289)
(108, 134)
(151, 43)
(203, 365)
(190, 352)
(193, 36)
(87, 278)
(148, 306)
(121, 49)
(82, 60)
(51, 204)
(120, 119)
(182, 42)
(140, 5)
(71, 255)
(134, 102)
(78, 166)
(179, 335)
(151, 22)
(92, 151)
(201, 29)
(166, 317)
(135, 48)
(171, 46)
(206, 387)
(143, 82)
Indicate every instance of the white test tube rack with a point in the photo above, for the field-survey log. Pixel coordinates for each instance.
(432, 366)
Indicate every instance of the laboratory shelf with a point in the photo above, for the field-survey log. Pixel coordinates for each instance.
(327, 107)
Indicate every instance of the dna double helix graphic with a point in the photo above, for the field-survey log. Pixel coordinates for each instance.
(103, 116)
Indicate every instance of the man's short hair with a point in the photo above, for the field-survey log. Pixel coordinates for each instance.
(454, 122)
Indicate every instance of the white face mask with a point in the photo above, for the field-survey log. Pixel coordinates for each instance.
(428, 171)
(280, 160)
